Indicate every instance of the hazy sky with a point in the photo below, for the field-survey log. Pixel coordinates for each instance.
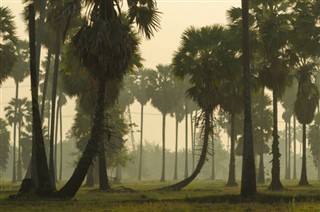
(177, 16)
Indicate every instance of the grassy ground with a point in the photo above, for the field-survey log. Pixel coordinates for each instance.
(201, 195)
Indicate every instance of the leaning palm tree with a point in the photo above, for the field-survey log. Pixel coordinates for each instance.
(196, 58)
(107, 55)
(162, 90)
(8, 41)
(305, 107)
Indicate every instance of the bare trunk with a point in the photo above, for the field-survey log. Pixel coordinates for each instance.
(60, 173)
(141, 143)
(261, 178)
(19, 165)
(289, 149)
(303, 179)
(175, 175)
(45, 85)
(186, 150)
(286, 151)
(163, 172)
(90, 177)
(14, 169)
(213, 173)
(232, 165)
(294, 149)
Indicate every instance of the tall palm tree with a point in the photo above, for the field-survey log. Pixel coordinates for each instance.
(4, 145)
(305, 107)
(107, 59)
(273, 26)
(8, 41)
(139, 90)
(313, 138)
(196, 58)
(161, 88)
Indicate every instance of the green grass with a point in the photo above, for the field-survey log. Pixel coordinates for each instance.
(201, 195)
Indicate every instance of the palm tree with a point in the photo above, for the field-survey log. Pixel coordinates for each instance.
(196, 58)
(107, 59)
(4, 145)
(305, 107)
(161, 89)
(248, 183)
(272, 23)
(8, 41)
(139, 90)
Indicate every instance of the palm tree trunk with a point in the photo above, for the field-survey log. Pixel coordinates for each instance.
(289, 149)
(19, 165)
(213, 173)
(180, 185)
(14, 175)
(39, 165)
(60, 173)
(232, 165)
(103, 177)
(186, 150)
(294, 149)
(90, 177)
(304, 179)
(261, 178)
(74, 183)
(286, 151)
(141, 143)
(175, 175)
(248, 182)
(39, 35)
(275, 170)
(56, 142)
(53, 107)
(163, 172)
(192, 139)
(45, 85)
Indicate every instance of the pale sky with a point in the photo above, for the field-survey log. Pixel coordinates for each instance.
(177, 16)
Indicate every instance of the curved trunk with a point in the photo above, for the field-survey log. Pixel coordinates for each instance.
(180, 185)
(53, 108)
(74, 183)
(163, 172)
(141, 148)
(294, 149)
(304, 179)
(261, 178)
(45, 85)
(175, 175)
(248, 178)
(232, 165)
(186, 150)
(275, 170)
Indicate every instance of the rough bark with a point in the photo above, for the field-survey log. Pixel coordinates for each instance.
(275, 170)
(248, 182)
(103, 177)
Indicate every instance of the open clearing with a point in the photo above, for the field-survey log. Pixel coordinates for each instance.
(201, 195)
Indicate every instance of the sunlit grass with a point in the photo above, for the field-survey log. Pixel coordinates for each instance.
(201, 195)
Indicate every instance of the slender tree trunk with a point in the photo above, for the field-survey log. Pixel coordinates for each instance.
(74, 183)
(60, 173)
(294, 149)
(14, 174)
(131, 129)
(39, 35)
(186, 150)
(232, 165)
(248, 182)
(192, 140)
(53, 108)
(39, 165)
(303, 179)
(175, 175)
(45, 85)
(163, 172)
(19, 165)
(289, 149)
(213, 172)
(286, 151)
(103, 177)
(275, 170)
(261, 178)
(56, 143)
(178, 186)
(141, 143)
